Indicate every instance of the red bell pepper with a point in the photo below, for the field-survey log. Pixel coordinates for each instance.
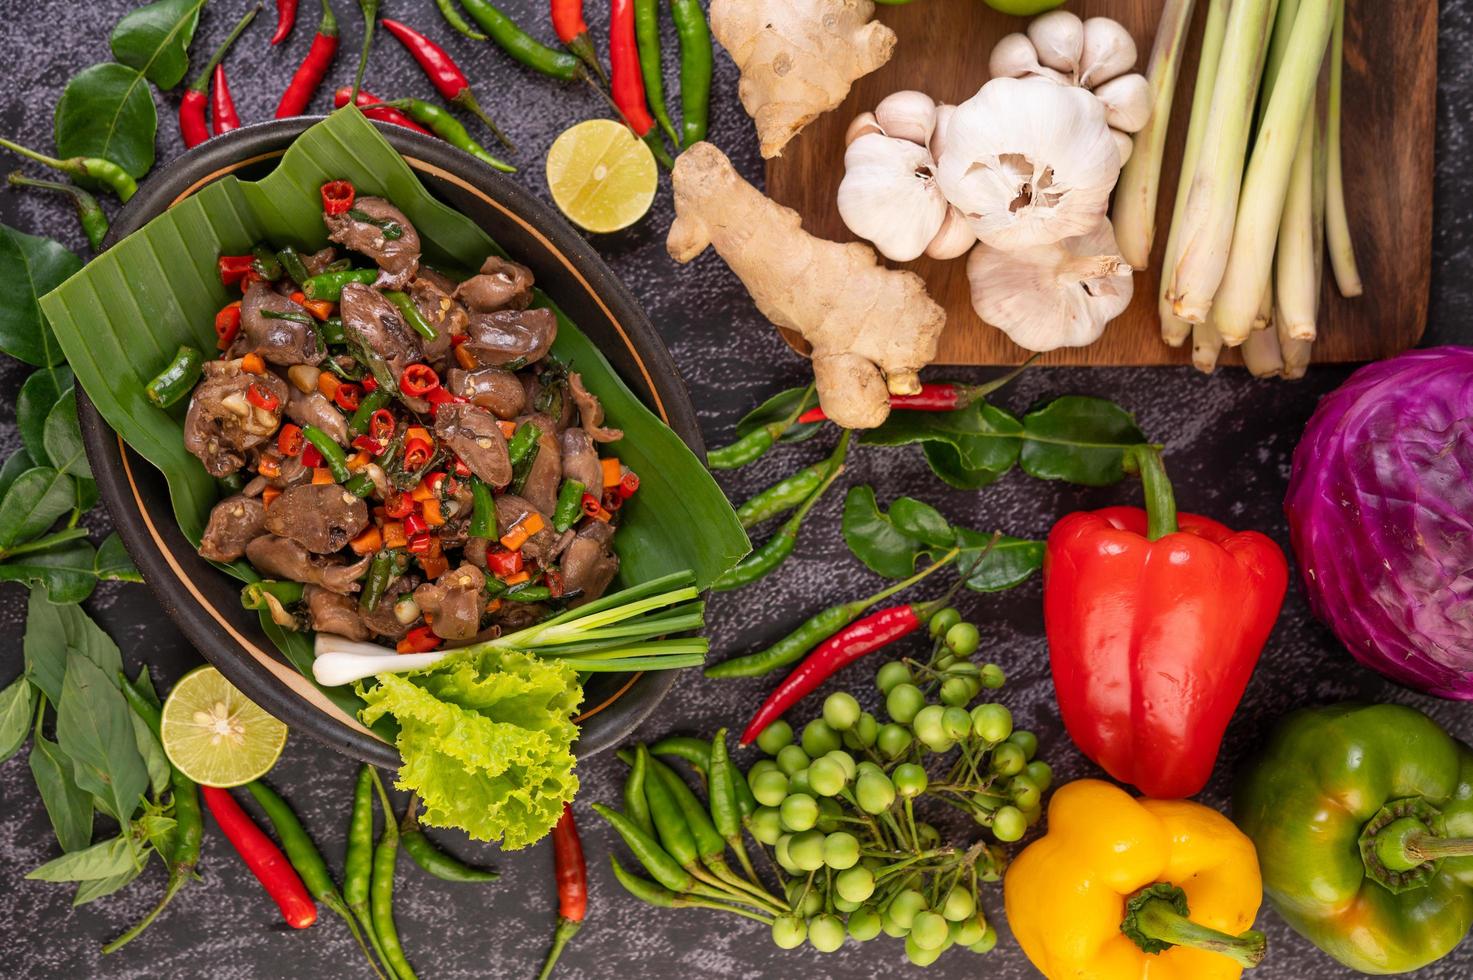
(1154, 626)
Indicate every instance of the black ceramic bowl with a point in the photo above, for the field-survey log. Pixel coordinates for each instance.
(204, 602)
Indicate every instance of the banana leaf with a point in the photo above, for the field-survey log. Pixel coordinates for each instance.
(121, 319)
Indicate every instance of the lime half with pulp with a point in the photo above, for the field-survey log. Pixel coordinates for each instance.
(217, 736)
(602, 176)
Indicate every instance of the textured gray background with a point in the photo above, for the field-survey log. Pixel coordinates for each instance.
(1229, 438)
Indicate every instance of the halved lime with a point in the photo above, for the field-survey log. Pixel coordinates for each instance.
(601, 175)
(217, 736)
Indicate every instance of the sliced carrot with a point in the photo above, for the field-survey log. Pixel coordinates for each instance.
(328, 384)
(493, 605)
(508, 429)
(321, 475)
(532, 523)
(422, 492)
(613, 472)
(269, 467)
(518, 578)
(466, 359)
(360, 459)
(253, 364)
(319, 308)
(431, 511)
(514, 538)
(368, 542)
(394, 536)
(268, 495)
(418, 432)
(434, 567)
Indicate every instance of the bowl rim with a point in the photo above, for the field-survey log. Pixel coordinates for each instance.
(260, 673)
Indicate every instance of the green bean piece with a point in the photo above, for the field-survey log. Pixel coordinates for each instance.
(636, 805)
(569, 505)
(483, 513)
(696, 62)
(115, 177)
(411, 314)
(177, 380)
(693, 750)
(382, 571)
(782, 496)
(521, 45)
(266, 264)
(332, 453)
(331, 331)
(452, 16)
(89, 213)
(373, 401)
(440, 122)
(381, 889)
(329, 285)
(523, 441)
(430, 858)
(647, 37)
(661, 866)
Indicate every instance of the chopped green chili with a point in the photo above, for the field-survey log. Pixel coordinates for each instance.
(411, 314)
(483, 517)
(569, 505)
(177, 380)
(329, 285)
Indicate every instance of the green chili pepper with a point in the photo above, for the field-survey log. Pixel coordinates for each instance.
(636, 806)
(386, 566)
(708, 842)
(483, 514)
(332, 453)
(358, 858)
(411, 314)
(776, 549)
(231, 482)
(695, 69)
(452, 16)
(523, 441)
(89, 212)
(440, 122)
(329, 285)
(177, 380)
(647, 37)
(373, 401)
(664, 868)
(292, 262)
(430, 858)
(782, 496)
(521, 45)
(569, 505)
(693, 750)
(381, 889)
(93, 168)
(338, 265)
(528, 593)
(331, 331)
(646, 891)
(254, 595)
(747, 449)
(670, 824)
(266, 264)
(725, 813)
(361, 485)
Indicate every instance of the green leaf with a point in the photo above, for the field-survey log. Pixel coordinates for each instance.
(1079, 439)
(68, 807)
(30, 267)
(18, 463)
(91, 891)
(63, 438)
(15, 716)
(921, 521)
(1012, 561)
(38, 396)
(781, 406)
(143, 684)
(105, 859)
(155, 39)
(969, 448)
(94, 727)
(64, 574)
(107, 111)
(87, 494)
(153, 755)
(113, 563)
(52, 631)
(33, 503)
(874, 539)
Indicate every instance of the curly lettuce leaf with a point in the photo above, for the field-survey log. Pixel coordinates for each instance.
(486, 741)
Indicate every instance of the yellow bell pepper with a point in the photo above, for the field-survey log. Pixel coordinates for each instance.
(1126, 889)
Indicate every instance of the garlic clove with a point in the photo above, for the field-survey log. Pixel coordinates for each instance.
(1016, 57)
(1029, 162)
(938, 135)
(907, 116)
(1125, 143)
(1058, 37)
(1127, 102)
(863, 124)
(1109, 52)
(889, 196)
(1051, 296)
(954, 238)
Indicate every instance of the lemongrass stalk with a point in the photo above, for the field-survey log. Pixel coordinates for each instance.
(1266, 186)
(1278, 46)
(1297, 283)
(1140, 182)
(1261, 354)
(1212, 205)
(1265, 316)
(1206, 346)
(1297, 353)
(1337, 220)
(1174, 330)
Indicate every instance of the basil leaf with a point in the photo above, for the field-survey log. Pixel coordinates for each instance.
(968, 448)
(874, 539)
(87, 494)
(38, 396)
(1012, 561)
(921, 521)
(63, 438)
(91, 891)
(67, 807)
(143, 684)
(18, 463)
(113, 564)
(1079, 439)
(33, 503)
(30, 267)
(52, 631)
(107, 111)
(105, 859)
(153, 755)
(65, 574)
(94, 727)
(155, 39)
(15, 716)
(780, 406)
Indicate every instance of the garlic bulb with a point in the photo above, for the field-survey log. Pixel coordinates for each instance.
(1058, 37)
(889, 195)
(1029, 162)
(954, 238)
(863, 124)
(907, 116)
(1051, 296)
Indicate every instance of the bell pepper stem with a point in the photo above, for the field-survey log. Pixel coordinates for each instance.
(1156, 919)
(1160, 501)
(1430, 848)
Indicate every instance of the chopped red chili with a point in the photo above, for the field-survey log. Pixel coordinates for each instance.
(594, 509)
(368, 444)
(421, 639)
(337, 196)
(399, 505)
(554, 581)
(461, 470)
(348, 396)
(422, 543)
(370, 383)
(227, 325)
(418, 380)
(504, 564)
(612, 501)
(381, 425)
(235, 268)
(290, 440)
(438, 396)
(261, 398)
(414, 524)
(311, 456)
(628, 485)
(417, 453)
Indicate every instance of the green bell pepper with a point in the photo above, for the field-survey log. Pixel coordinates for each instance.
(1363, 820)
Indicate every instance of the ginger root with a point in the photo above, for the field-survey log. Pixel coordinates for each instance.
(798, 58)
(871, 328)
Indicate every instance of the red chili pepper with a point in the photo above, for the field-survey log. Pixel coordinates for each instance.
(311, 456)
(611, 500)
(261, 398)
(628, 485)
(368, 445)
(234, 268)
(414, 524)
(628, 82)
(594, 508)
(337, 196)
(382, 113)
(348, 395)
(286, 19)
(443, 72)
(381, 425)
(421, 639)
(313, 68)
(418, 380)
(223, 117)
(192, 107)
(572, 30)
(417, 453)
(399, 505)
(554, 580)
(290, 440)
(419, 544)
(227, 325)
(572, 885)
(461, 470)
(370, 384)
(504, 563)
(438, 396)
(263, 857)
(931, 398)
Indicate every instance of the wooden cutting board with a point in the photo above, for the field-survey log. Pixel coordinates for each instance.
(1390, 134)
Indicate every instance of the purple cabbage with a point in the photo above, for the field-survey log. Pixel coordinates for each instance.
(1380, 511)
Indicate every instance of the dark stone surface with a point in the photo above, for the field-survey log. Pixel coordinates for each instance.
(1229, 438)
